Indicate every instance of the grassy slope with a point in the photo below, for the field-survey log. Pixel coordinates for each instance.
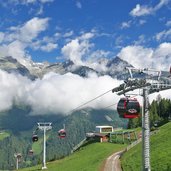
(88, 158)
(37, 146)
(160, 152)
(4, 135)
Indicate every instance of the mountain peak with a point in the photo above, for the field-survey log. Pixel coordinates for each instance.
(117, 60)
(12, 65)
(68, 63)
(8, 59)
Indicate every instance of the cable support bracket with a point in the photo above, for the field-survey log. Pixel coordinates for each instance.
(130, 85)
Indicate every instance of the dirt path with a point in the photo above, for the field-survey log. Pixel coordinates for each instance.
(113, 163)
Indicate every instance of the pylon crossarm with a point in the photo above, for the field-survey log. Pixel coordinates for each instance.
(133, 88)
(159, 87)
(157, 73)
(131, 85)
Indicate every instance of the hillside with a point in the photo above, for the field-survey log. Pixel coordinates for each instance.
(20, 127)
(89, 157)
(3, 135)
(160, 152)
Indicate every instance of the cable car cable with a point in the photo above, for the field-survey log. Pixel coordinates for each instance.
(90, 101)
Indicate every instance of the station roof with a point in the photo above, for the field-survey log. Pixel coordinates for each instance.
(104, 126)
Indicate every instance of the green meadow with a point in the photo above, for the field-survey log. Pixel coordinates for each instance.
(160, 152)
(88, 158)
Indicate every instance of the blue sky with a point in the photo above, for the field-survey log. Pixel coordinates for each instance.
(55, 30)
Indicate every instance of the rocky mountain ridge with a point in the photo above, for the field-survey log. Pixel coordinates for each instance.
(113, 67)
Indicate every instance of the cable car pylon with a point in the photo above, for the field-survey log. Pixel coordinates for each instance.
(149, 86)
(44, 126)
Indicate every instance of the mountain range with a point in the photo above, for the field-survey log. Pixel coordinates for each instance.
(113, 67)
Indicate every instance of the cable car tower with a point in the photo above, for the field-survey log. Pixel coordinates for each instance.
(150, 81)
(44, 126)
(18, 157)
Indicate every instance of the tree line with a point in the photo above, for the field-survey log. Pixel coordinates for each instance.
(159, 112)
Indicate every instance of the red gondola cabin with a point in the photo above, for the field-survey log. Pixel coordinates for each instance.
(128, 108)
(62, 133)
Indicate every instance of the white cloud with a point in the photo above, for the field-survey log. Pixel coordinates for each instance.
(141, 57)
(68, 34)
(136, 55)
(166, 34)
(46, 44)
(46, 1)
(76, 49)
(95, 55)
(57, 35)
(17, 39)
(29, 1)
(98, 60)
(49, 47)
(35, 7)
(32, 28)
(79, 50)
(11, 87)
(168, 24)
(28, 31)
(141, 40)
(163, 54)
(119, 41)
(125, 25)
(40, 11)
(86, 36)
(1, 36)
(69, 91)
(56, 93)
(26, 2)
(78, 5)
(142, 22)
(161, 4)
(142, 10)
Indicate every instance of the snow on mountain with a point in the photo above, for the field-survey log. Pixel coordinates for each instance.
(112, 67)
(11, 65)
